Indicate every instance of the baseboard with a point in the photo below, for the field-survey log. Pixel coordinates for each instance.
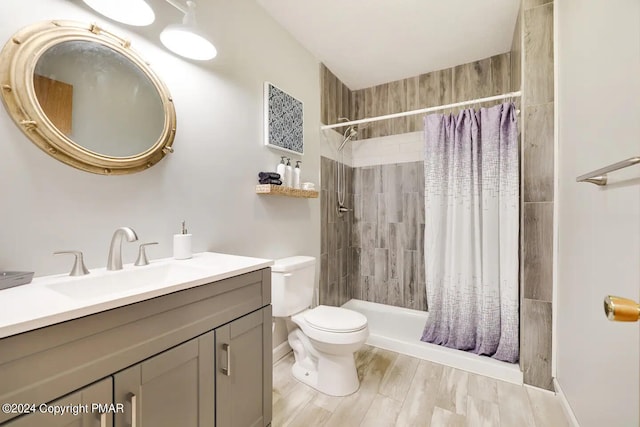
(565, 404)
(281, 351)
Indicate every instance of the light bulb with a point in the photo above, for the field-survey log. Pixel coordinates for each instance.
(186, 41)
(131, 12)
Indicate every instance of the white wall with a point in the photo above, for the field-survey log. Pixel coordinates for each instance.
(209, 181)
(599, 228)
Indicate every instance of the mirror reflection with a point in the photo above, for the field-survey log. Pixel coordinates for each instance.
(98, 98)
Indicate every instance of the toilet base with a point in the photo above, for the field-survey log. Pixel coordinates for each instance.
(335, 375)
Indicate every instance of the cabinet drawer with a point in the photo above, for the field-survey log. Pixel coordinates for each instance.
(79, 405)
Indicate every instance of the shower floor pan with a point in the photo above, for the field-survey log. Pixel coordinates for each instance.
(399, 329)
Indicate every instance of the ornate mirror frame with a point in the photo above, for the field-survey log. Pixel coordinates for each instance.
(18, 61)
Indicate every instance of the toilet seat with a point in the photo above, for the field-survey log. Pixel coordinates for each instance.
(332, 336)
(335, 319)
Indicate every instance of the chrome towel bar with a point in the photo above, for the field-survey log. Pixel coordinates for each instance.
(599, 177)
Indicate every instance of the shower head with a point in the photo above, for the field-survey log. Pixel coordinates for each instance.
(349, 134)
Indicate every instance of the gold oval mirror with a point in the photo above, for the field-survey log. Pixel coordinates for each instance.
(84, 97)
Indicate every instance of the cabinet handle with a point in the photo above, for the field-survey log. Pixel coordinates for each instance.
(227, 371)
(134, 409)
(103, 419)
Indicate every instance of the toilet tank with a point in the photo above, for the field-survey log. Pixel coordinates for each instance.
(292, 283)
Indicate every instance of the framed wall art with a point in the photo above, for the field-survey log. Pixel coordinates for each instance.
(283, 120)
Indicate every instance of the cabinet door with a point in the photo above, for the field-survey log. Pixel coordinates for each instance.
(174, 388)
(244, 371)
(82, 413)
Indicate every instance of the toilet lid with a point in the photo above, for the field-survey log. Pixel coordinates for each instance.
(335, 319)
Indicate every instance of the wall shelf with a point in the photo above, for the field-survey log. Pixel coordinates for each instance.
(279, 190)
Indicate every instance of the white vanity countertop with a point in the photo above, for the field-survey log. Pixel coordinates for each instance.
(53, 299)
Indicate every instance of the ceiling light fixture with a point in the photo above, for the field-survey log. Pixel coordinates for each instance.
(130, 12)
(186, 39)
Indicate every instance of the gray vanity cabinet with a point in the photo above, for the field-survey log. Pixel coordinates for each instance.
(243, 371)
(199, 357)
(100, 392)
(174, 388)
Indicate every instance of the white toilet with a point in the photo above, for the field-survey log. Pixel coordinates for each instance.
(324, 338)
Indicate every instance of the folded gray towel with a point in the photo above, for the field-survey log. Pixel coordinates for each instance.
(270, 181)
(269, 175)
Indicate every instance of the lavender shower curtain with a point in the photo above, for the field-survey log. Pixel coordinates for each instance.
(471, 231)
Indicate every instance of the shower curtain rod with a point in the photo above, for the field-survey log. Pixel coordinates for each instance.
(423, 110)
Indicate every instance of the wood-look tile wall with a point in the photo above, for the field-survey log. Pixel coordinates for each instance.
(374, 262)
(334, 241)
(487, 77)
(335, 97)
(536, 268)
(387, 235)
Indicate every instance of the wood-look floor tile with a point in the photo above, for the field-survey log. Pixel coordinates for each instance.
(483, 388)
(419, 403)
(352, 409)
(547, 409)
(373, 365)
(434, 398)
(288, 407)
(363, 357)
(324, 401)
(443, 418)
(311, 416)
(375, 370)
(383, 412)
(397, 380)
(453, 390)
(283, 380)
(514, 406)
(481, 413)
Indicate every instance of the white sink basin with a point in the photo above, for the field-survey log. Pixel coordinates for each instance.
(58, 298)
(99, 284)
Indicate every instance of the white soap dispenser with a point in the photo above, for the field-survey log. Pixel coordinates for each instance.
(281, 168)
(182, 244)
(288, 174)
(296, 175)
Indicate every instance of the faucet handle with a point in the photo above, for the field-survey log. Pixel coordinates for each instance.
(142, 255)
(78, 269)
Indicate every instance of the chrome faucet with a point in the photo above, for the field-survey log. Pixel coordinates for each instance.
(114, 262)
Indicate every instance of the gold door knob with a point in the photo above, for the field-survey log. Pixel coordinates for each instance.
(620, 309)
